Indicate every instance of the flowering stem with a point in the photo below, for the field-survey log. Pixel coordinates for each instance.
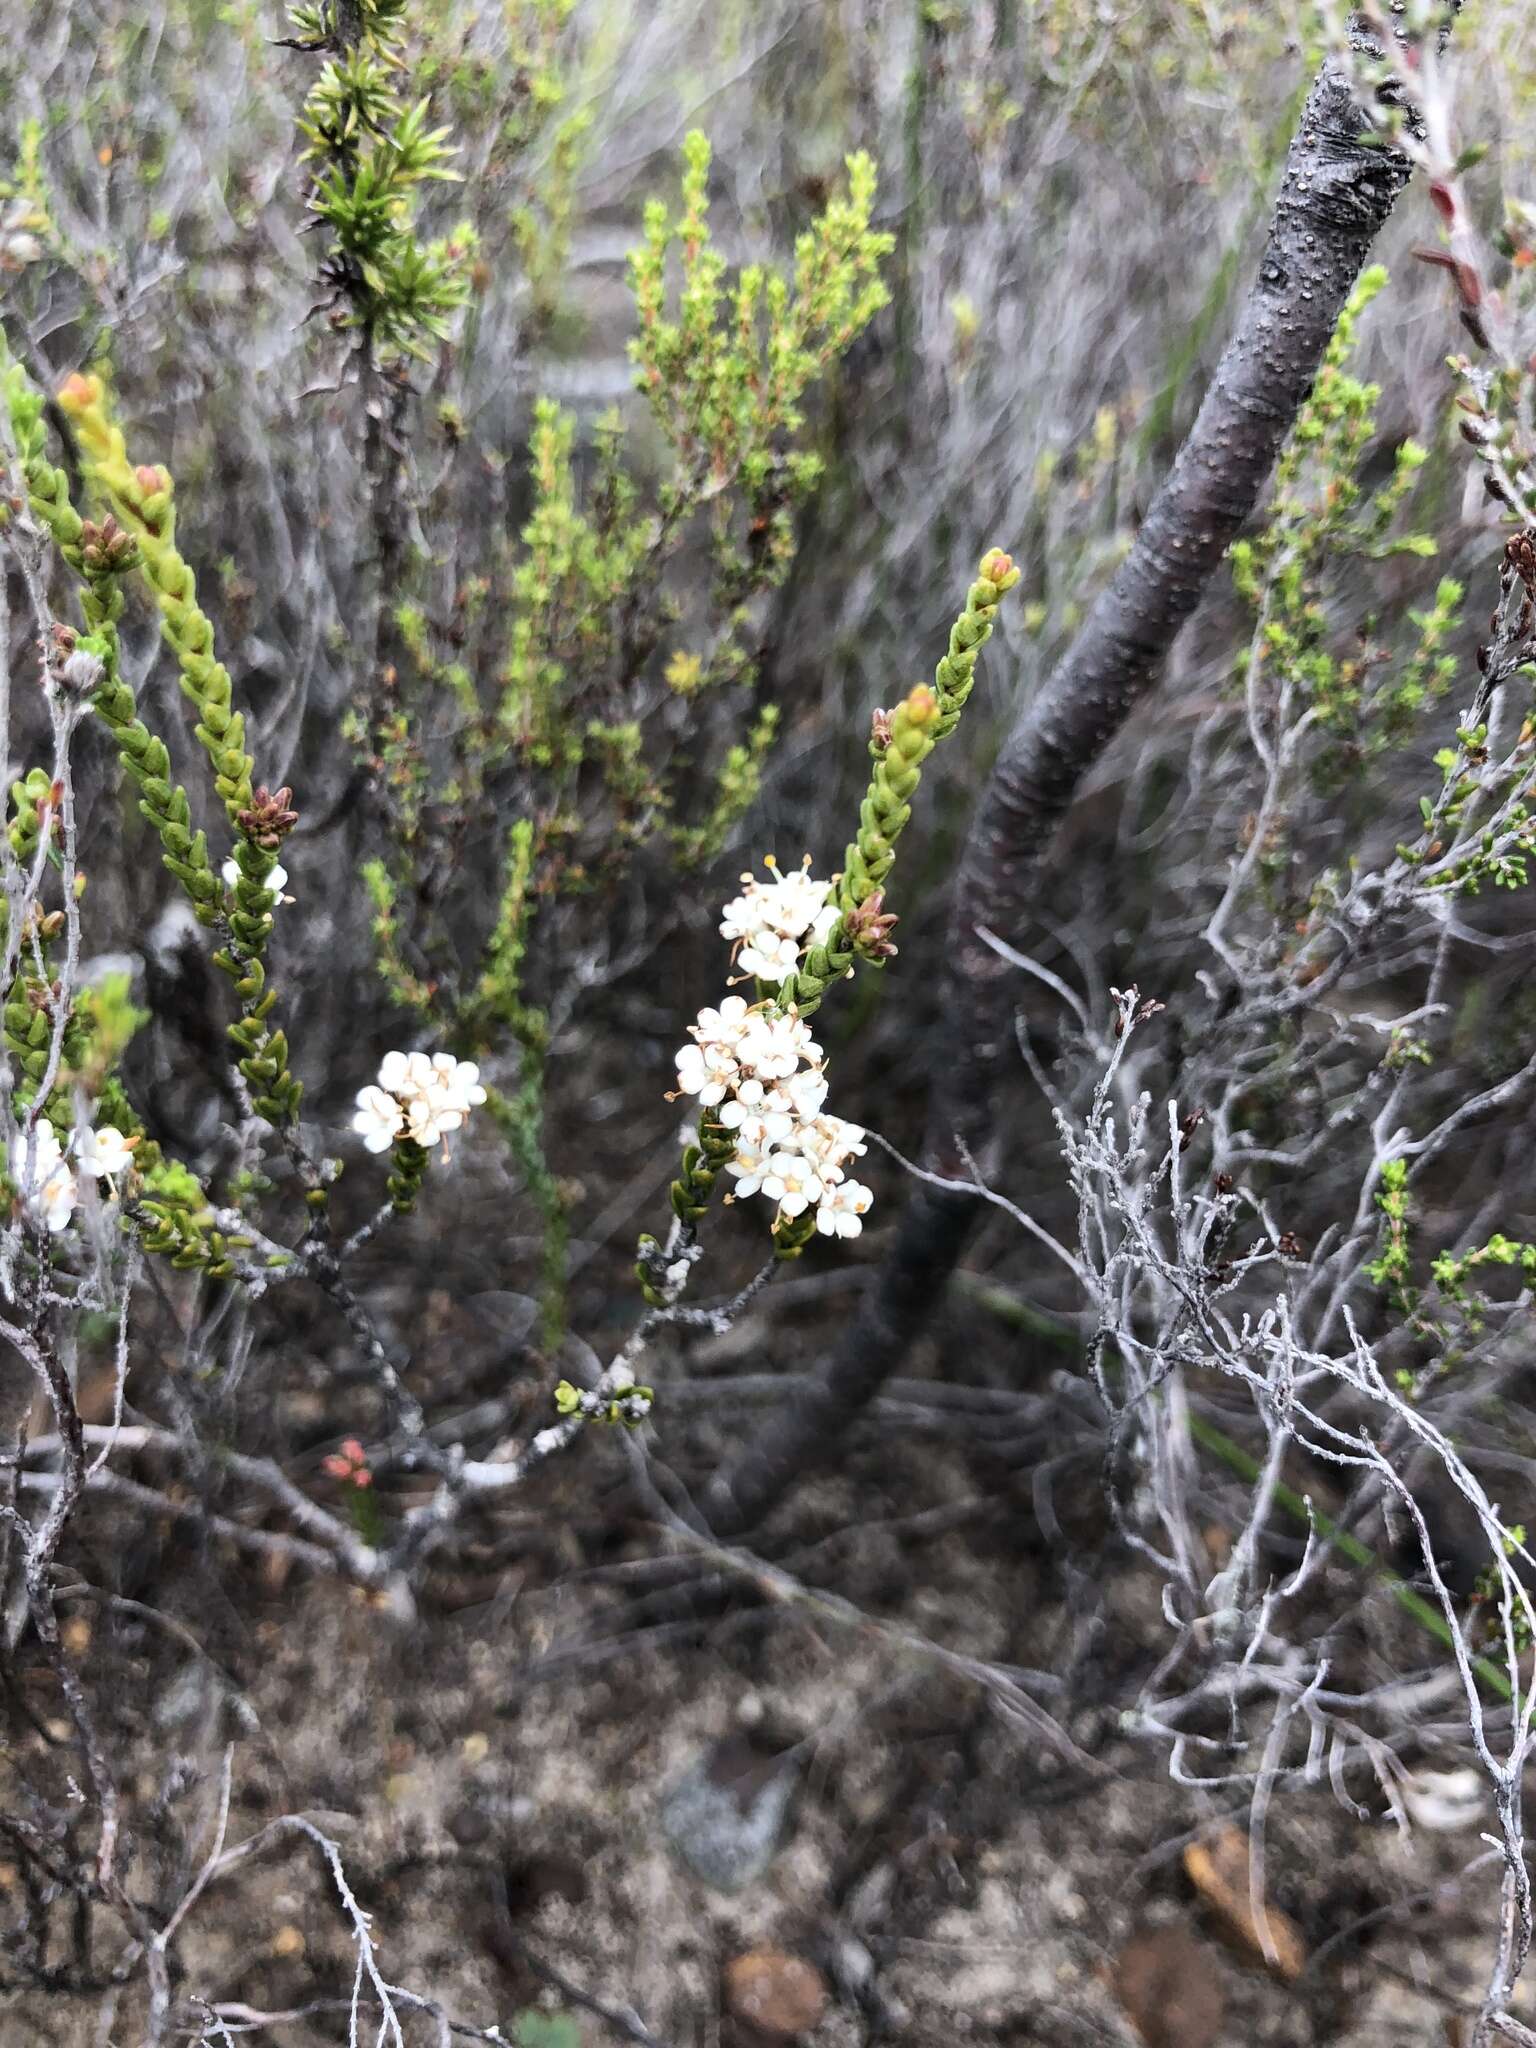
(143, 501)
(902, 742)
(1336, 192)
(918, 723)
(101, 556)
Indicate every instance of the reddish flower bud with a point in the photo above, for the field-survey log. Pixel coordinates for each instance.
(870, 926)
(269, 818)
(78, 393)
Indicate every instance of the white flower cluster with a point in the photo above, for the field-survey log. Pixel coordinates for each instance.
(48, 1176)
(417, 1097)
(774, 922)
(761, 1071)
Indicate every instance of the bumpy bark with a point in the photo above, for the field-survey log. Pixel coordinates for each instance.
(1334, 196)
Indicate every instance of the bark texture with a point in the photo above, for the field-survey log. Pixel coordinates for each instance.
(1335, 194)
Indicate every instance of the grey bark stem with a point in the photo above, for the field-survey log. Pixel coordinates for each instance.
(1335, 194)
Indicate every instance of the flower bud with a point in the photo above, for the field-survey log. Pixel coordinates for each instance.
(1520, 554)
(106, 549)
(921, 707)
(269, 817)
(869, 927)
(998, 568)
(78, 394)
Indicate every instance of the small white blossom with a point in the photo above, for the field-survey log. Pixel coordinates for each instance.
(379, 1119)
(792, 1182)
(429, 1119)
(103, 1153)
(758, 1114)
(742, 918)
(710, 1067)
(769, 921)
(725, 1026)
(789, 904)
(828, 1142)
(775, 1044)
(761, 1133)
(706, 1071)
(842, 1209)
(56, 1199)
(798, 899)
(747, 1166)
(769, 957)
(405, 1073)
(456, 1083)
(49, 1188)
(802, 1095)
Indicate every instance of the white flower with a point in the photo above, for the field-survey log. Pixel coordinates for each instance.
(747, 1165)
(827, 1142)
(706, 1071)
(456, 1083)
(774, 1045)
(793, 902)
(842, 1208)
(788, 904)
(769, 920)
(405, 1073)
(757, 1114)
(48, 1186)
(769, 956)
(428, 1120)
(56, 1199)
(802, 1095)
(380, 1119)
(710, 1068)
(724, 1026)
(103, 1153)
(792, 1182)
(277, 877)
(756, 1133)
